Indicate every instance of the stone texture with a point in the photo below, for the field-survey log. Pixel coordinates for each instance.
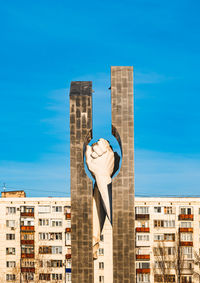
(123, 184)
(81, 185)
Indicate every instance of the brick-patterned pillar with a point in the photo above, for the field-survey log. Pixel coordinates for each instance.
(81, 185)
(123, 184)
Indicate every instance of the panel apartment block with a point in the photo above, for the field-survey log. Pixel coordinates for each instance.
(81, 185)
(123, 184)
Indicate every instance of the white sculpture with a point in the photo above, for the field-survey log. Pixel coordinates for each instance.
(100, 160)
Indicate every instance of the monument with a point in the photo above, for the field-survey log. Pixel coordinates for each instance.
(113, 199)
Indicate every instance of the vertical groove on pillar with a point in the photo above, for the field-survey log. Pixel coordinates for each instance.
(123, 184)
(81, 185)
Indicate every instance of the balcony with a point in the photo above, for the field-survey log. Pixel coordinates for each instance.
(186, 230)
(67, 216)
(27, 214)
(143, 229)
(27, 228)
(68, 256)
(185, 217)
(186, 244)
(27, 242)
(68, 230)
(28, 269)
(23, 255)
(142, 270)
(144, 257)
(142, 216)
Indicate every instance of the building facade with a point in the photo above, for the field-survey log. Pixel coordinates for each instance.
(35, 237)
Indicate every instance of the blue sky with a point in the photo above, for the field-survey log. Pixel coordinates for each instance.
(47, 44)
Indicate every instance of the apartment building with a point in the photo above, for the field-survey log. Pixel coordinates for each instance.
(167, 239)
(36, 243)
(35, 239)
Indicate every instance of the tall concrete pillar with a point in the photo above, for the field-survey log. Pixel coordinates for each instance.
(81, 185)
(123, 184)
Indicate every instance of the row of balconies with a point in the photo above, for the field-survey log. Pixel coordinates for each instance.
(181, 217)
(147, 229)
(31, 214)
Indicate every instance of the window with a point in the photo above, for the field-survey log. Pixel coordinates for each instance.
(101, 279)
(27, 236)
(10, 236)
(43, 222)
(27, 263)
(163, 251)
(67, 239)
(186, 237)
(68, 277)
(68, 225)
(142, 210)
(68, 263)
(186, 279)
(27, 222)
(186, 224)
(142, 237)
(143, 224)
(27, 209)
(26, 249)
(54, 263)
(56, 249)
(43, 236)
(164, 223)
(143, 264)
(44, 276)
(187, 252)
(10, 264)
(44, 209)
(28, 276)
(57, 208)
(10, 277)
(157, 209)
(56, 223)
(143, 278)
(167, 278)
(101, 251)
(55, 236)
(186, 210)
(169, 237)
(158, 237)
(164, 264)
(169, 210)
(45, 250)
(56, 276)
(101, 265)
(10, 251)
(10, 210)
(10, 223)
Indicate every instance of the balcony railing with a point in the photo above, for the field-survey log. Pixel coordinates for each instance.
(27, 228)
(142, 216)
(68, 256)
(186, 244)
(186, 216)
(143, 270)
(67, 215)
(28, 269)
(185, 230)
(144, 257)
(24, 255)
(27, 242)
(28, 214)
(142, 229)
